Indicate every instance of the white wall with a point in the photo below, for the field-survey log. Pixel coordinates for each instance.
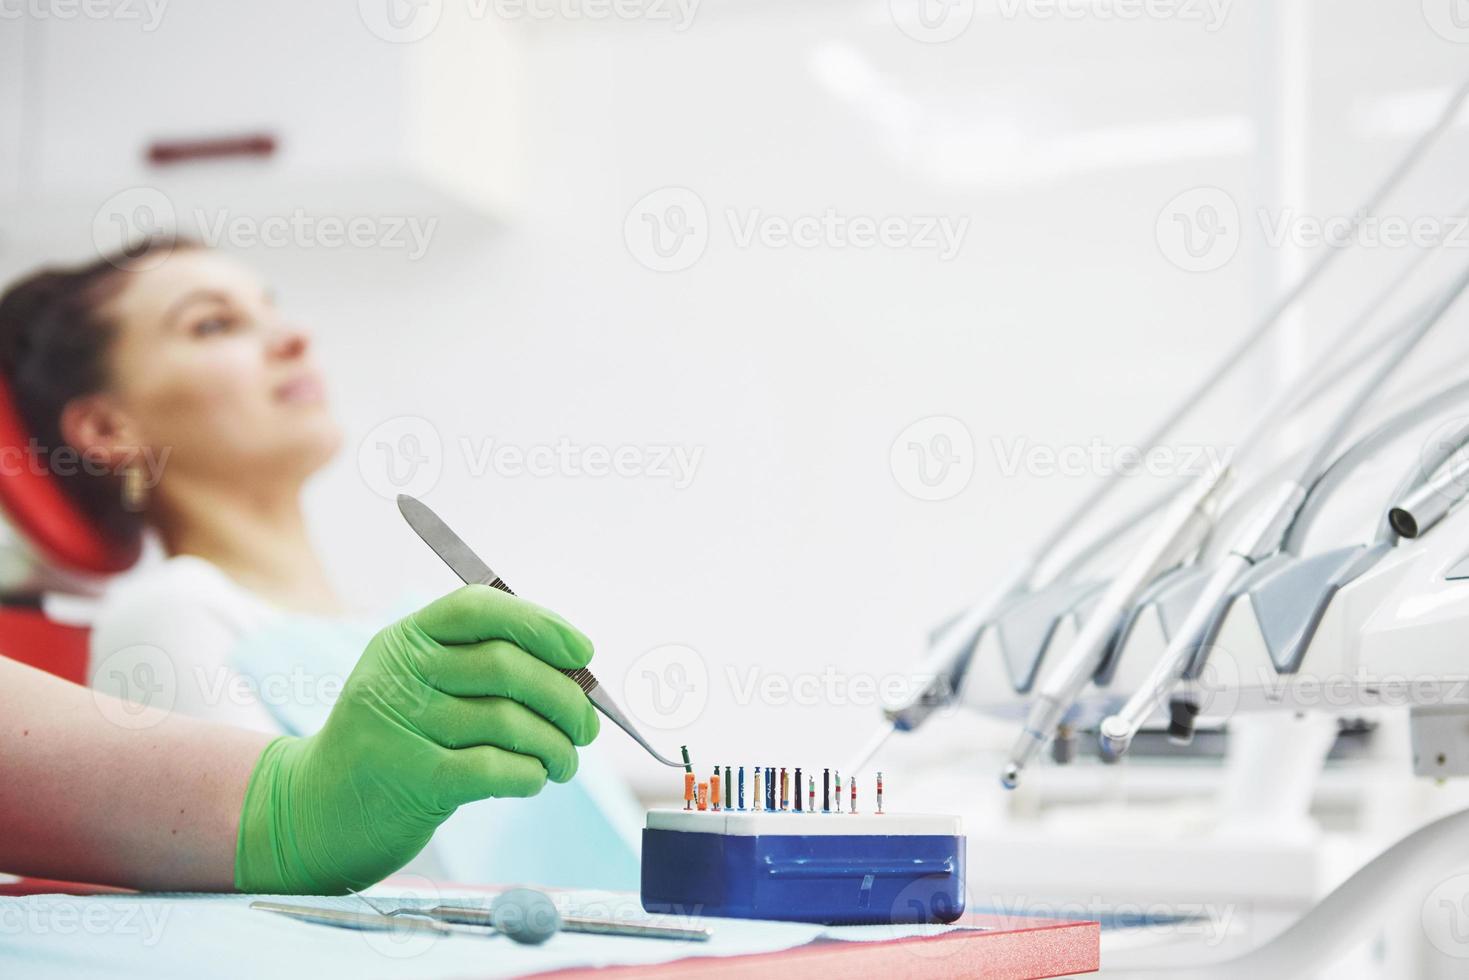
(794, 372)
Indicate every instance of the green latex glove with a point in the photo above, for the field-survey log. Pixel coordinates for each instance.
(458, 702)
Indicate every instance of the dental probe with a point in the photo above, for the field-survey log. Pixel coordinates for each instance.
(473, 571)
(953, 649)
(1262, 537)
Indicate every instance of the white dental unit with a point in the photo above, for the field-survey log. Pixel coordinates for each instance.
(1277, 602)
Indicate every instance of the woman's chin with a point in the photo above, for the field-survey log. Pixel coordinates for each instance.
(315, 442)
(328, 443)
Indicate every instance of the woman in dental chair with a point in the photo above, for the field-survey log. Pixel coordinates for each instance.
(199, 415)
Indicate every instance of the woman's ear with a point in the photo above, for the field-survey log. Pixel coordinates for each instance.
(97, 428)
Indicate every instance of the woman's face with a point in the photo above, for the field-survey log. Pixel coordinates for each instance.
(205, 369)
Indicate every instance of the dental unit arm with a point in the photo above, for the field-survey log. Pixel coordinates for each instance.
(1262, 538)
(1259, 538)
(954, 646)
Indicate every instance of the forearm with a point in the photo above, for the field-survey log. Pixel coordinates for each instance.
(467, 699)
(92, 790)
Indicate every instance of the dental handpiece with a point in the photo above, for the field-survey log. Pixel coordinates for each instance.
(1266, 534)
(946, 665)
(1259, 541)
(959, 639)
(1054, 701)
(1178, 534)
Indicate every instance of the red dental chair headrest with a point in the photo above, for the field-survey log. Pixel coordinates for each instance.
(40, 509)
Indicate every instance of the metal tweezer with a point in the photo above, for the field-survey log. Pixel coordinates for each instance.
(472, 569)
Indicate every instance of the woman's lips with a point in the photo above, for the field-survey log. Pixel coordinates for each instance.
(303, 390)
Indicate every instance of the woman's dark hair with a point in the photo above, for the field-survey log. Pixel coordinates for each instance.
(54, 347)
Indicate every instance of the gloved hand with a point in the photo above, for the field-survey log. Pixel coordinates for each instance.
(457, 702)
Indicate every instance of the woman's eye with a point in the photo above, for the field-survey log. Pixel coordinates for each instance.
(212, 325)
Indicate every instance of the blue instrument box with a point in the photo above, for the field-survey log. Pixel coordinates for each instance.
(833, 868)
